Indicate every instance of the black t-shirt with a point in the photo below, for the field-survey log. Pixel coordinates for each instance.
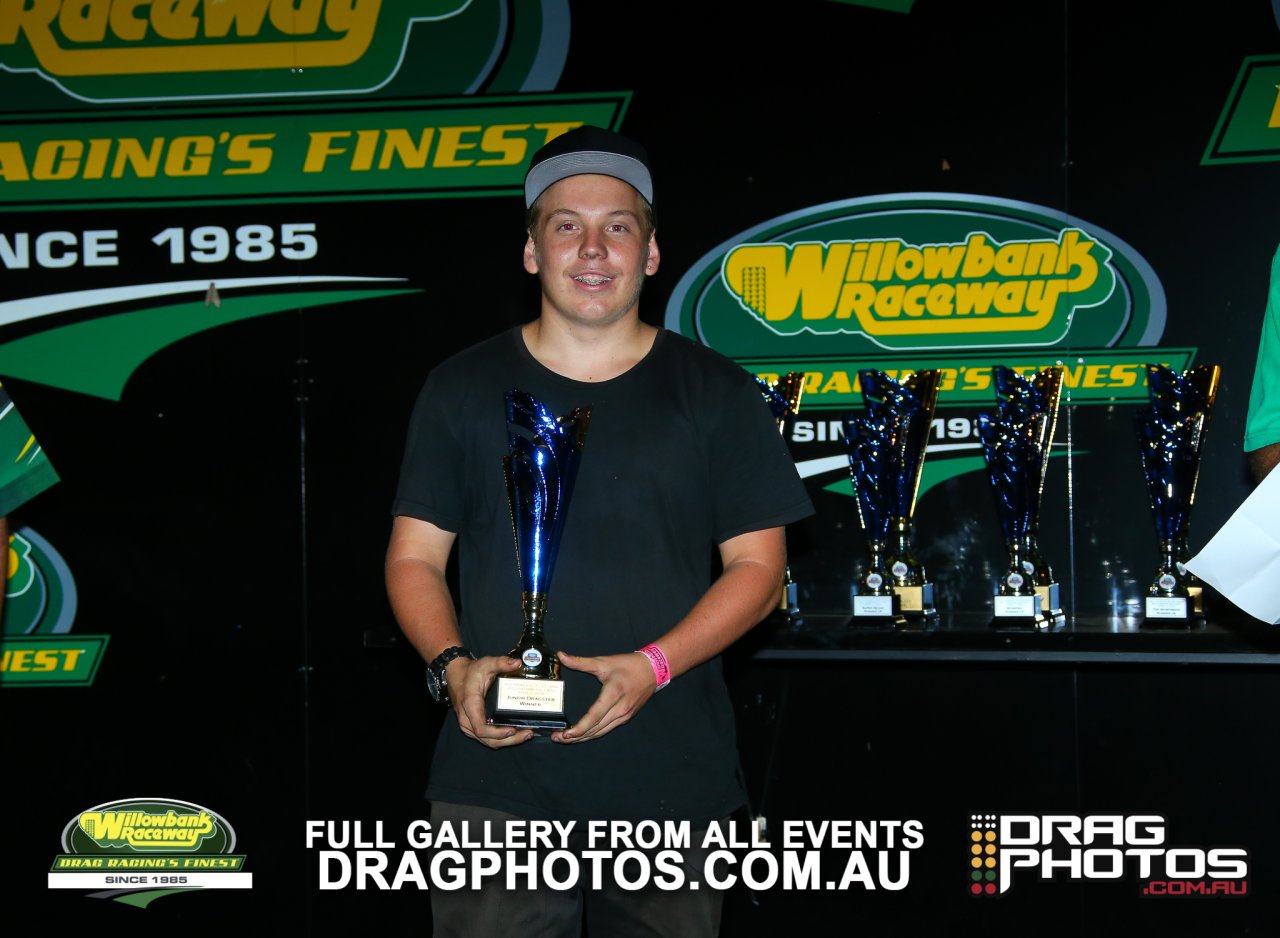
(681, 453)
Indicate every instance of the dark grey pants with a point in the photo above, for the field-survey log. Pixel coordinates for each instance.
(607, 912)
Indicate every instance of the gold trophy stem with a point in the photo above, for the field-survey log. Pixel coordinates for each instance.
(534, 607)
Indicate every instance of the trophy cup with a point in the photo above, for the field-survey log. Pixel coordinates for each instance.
(540, 471)
(886, 458)
(1015, 443)
(783, 397)
(1170, 436)
(1033, 404)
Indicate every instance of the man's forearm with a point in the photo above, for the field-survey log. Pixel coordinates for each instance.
(744, 593)
(422, 605)
(1262, 461)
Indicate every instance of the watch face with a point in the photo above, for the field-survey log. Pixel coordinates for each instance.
(433, 684)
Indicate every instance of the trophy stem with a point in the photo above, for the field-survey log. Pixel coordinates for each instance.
(1016, 582)
(543, 664)
(875, 580)
(909, 580)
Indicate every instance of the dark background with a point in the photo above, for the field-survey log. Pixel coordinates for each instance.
(226, 519)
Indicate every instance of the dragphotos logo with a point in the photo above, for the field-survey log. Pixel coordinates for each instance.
(1098, 847)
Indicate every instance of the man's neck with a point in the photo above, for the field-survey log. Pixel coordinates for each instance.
(589, 354)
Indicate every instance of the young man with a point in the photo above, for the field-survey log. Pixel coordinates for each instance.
(682, 457)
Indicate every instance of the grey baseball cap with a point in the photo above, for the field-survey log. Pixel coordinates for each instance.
(588, 149)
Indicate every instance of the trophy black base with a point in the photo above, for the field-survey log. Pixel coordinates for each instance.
(877, 612)
(1020, 613)
(528, 703)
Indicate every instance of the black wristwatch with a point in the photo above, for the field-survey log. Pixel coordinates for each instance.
(436, 682)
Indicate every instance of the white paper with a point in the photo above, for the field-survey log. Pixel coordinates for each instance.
(1242, 561)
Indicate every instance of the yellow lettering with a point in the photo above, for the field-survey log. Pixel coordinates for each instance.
(449, 145)
(245, 15)
(321, 147)
(1010, 296)
(856, 298)
(977, 379)
(495, 140)
(243, 149)
(130, 152)
(1010, 260)
(95, 164)
(1124, 376)
(30, 17)
(889, 301)
(296, 17)
(57, 159)
(940, 300)
(366, 146)
(175, 19)
(84, 20)
(773, 285)
(979, 257)
(975, 297)
(942, 260)
(124, 24)
(189, 156)
(838, 383)
(398, 143)
(913, 301)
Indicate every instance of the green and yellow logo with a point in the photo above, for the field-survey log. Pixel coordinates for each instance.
(37, 649)
(1248, 131)
(910, 281)
(144, 848)
(903, 295)
(114, 50)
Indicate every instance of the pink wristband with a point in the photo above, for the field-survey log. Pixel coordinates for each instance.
(661, 670)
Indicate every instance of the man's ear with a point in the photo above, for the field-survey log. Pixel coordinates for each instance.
(530, 255)
(651, 265)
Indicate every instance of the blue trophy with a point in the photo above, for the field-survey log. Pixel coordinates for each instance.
(783, 397)
(886, 458)
(1170, 438)
(540, 470)
(1016, 441)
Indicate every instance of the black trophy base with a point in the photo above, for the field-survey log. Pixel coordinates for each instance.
(528, 703)
(877, 612)
(1020, 614)
(539, 724)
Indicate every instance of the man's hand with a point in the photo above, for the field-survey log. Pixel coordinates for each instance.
(468, 681)
(626, 683)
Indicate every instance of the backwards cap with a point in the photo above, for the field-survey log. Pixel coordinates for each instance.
(588, 149)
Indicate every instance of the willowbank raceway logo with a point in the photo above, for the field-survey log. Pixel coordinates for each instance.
(1098, 848)
(139, 849)
(911, 281)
